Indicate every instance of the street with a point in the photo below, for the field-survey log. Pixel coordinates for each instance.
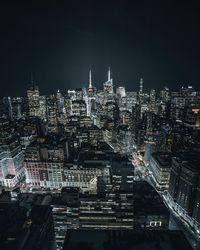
(175, 223)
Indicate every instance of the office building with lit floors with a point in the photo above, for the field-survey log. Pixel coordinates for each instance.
(52, 114)
(160, 165)
(11, 163)
(65, 208)
(184, 195)
(79, 108)
(33, 100)
(111, 206)
(44, 161)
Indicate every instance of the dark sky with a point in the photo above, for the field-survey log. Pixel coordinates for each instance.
(59, 41)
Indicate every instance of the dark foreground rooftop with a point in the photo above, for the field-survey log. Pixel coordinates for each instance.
(147, 200)
(126, 240)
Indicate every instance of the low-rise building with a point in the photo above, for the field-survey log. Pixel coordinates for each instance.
(160, 165)
(150, 211)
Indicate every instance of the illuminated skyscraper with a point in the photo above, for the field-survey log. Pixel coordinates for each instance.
(91, 95)
(121, 91)
(52, 113)
(11, 164)
(141, 85)
(33, 100)
(17, 103)
(43, 107)
(108, 85)
(91, 89)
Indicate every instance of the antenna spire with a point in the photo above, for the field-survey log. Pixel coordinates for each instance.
(90, 79)
(108, 73)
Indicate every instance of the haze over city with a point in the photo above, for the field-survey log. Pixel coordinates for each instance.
(60, 41)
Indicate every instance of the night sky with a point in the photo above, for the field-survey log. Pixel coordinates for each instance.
(59, 41)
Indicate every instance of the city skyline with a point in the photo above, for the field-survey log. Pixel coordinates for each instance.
(107, 159)
(99, 85)
(99, 125)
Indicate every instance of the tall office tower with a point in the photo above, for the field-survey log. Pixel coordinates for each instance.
(52, 113)
(68, 204)
(149, 123)
(91, 88)
(60, 101)
(68, 105)
(8, 107)
(11, 163)
(150, 147)
(136, 117)
(43, 107)
(79, 108)
(90, 99)
(17, 105)
(61, 110)
(152, 101)
(141, 86)
(2, 109)
(196, 111)
(164, 94)
(108, 85)
(33, 100)
(121, 91)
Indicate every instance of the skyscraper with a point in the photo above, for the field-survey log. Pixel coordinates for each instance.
(33, 100)
(91, 89)
(141, 86)
(108, 85)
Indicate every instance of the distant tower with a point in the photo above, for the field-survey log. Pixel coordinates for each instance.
(33, 99)
(91, 89)
(90, 79)
(196, 111)
(141, 85)
(121, 91)
(108, 85)
(109, 74)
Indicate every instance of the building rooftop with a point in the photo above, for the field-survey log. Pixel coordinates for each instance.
(9, 176)
(147, 201)
(92, 156)
(189, 159)
(51, 140)
(163, 159)
(39, 214)
(125, 240)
